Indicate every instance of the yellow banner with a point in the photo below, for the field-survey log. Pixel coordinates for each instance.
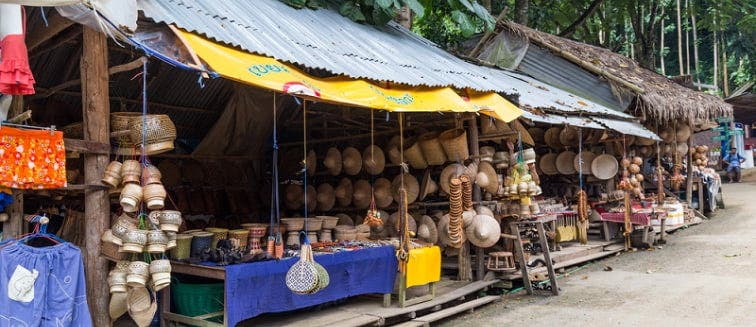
(269, 73)
(493, 105)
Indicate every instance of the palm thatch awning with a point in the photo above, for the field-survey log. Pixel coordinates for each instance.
(656, 97)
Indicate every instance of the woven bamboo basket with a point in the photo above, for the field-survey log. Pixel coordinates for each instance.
(414, 154)
(241, 235)
(121, 122)
(183, 248)
(432, 148)
(159, 136)
(73, 131)
(454, 142)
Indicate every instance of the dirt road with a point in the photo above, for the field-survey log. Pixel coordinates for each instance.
(704, 276)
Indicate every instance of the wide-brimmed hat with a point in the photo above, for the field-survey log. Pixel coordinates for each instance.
(351, 161)
(484, 232)
(326, 197)
(413, 154)
(683, 132)
(644, 141)
(392, 150)
(443, 230)
(427, 230)
(587, 157)
(667, 134)
(140, 306)
(487, 153)
(568, 136)
(344, 219)
(312, 162)
(344, 192)
(427, 186)
(604, 166)
(294, 198)
(547, 164)
(383, 193)
(392, 224)
(451, 171)
(312, 198)
(362, 194)
(564, 163)
(373, 160)
(410, 184)
(432, 150)
(332, 161)
(487, 178)
(551, 137)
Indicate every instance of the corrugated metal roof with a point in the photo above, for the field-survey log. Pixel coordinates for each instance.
(623, 127)
(563, 120)
(629, 128)
(322, 39)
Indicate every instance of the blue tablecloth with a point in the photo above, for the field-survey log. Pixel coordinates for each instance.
(256, 288)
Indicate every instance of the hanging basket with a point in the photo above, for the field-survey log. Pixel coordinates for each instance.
(159, 136)
(454, 142)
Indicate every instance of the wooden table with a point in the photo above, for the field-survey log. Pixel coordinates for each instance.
(166, 316)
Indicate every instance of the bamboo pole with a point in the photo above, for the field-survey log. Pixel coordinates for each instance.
(480, 255)
(695, 45)
(96, 111)
(661, 45)
(679, 40)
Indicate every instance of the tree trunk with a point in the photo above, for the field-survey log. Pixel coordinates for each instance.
(581, 20)
(725, 77)
(521, 11)
(661, 46)
(687, 41)
(715, 42)
(695, 45)
(679, 40)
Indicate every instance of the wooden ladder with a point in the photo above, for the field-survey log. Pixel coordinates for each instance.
(520, 253)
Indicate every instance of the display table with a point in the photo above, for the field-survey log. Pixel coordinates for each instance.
(255, 288)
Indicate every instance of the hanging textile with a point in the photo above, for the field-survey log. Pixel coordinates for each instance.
(6, 197)
(15, 75)
(42, 286)
(32, 159)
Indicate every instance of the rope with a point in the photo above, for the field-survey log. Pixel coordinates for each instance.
(580, 157)
(304, 170)
(274, 196)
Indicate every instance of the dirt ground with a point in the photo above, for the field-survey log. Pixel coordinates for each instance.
(704, 276)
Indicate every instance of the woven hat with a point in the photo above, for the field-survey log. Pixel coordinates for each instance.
(344, 219)
(524, 134)
(410, 184)
(427, 230)
(414, 154)
(312, 162)
(682, 149)
(551, 137)
(588, 157)
(683, 132)
(454, 142)
(487, 178)
(326, 197)
(484, 232)
(362, 193)
(537, 134)
(140, 306)
(427, 186)
(443, 230)
(392, 150)
(392, 224)
(351, 161)
(332, 161)
(667, 134)
(501, 159)
(568, 136)
(487, 153)
(432, 150)
(118, 305)
(644, 141)
(604, 166)
(564, 163)
(373, 160)
(344, 192)
(383, 193)
(294, 198)
(451, 171)
(548, 164)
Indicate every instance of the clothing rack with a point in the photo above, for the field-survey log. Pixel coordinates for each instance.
(51, 128)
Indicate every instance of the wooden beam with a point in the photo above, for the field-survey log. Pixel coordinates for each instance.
(55, 24)
(111, 71)
(96, 124)
(87, 147)
(139, 102)
(70, 36)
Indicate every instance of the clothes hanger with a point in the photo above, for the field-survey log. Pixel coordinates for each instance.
(40, 231)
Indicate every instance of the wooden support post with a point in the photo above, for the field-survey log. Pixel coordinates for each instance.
(96, 111)
(689, 180)
(464, 260)
(14, 226)
(472, 127)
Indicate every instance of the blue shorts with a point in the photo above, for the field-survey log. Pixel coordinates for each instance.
(60, 296)
(735, 169)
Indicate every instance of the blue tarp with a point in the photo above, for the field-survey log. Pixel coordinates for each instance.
(256, 288)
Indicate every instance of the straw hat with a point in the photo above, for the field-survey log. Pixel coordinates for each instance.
(487, 153)
(362, 192)
(568, 136)
(427, 230)
(484, 232)
(443, 230)
(455, 144)
(538, 134)
(294, 196)
(383, 193)
(344, 219)
(548, 164)
(564, 163)
(344, 192)
(667, 134)
(118, 305)
(326, 197)
(140, 306)
(332, 161)
(392, 149)
(682, 149)
(432, 150)
(427, 186)
(644, 141)
(471, 170)
(683, 132)
(373, 160)
(588, 157)
(312, 162)
(413, 154)
(392, 224)
(604, 166)
(410, 184)
(312, 198)
(487, 178)
(451, 171)
(551, 137)
(352, 161)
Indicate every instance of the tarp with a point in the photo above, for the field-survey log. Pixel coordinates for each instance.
(269, 73)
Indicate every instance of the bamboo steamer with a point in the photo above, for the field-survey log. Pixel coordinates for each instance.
(159, 136)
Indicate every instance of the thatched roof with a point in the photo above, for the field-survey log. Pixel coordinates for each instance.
(656, 96)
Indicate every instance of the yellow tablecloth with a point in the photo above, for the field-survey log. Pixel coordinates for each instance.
(424, 266)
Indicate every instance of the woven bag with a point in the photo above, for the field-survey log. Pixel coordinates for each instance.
(303, 277)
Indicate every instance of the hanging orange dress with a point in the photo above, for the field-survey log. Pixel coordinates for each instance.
(32, 159)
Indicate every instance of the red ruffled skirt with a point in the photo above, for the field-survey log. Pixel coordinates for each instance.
(15, 75)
